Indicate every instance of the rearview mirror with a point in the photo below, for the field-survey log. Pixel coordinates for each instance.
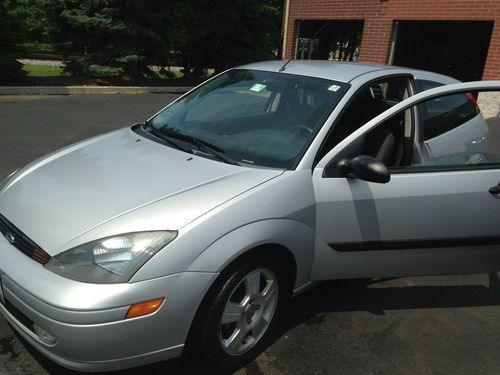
(365, 168)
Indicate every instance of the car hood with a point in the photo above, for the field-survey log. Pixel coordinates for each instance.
(68, 194)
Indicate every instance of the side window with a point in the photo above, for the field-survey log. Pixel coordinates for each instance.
(367, 103)
(475, 143)
(441, 115)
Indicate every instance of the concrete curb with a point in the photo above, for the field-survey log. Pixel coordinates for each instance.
(78, 90)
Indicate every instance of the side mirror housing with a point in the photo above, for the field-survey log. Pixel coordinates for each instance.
(365, 168)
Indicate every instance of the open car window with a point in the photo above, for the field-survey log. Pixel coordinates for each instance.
(474, 144)
(368, 102)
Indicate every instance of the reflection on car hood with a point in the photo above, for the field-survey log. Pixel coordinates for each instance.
(71, 192)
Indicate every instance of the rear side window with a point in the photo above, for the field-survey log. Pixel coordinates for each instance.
(446, 113)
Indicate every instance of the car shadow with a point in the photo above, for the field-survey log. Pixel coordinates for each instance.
(329, 297)
(359, 295)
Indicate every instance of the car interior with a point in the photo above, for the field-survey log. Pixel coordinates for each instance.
(391, 142)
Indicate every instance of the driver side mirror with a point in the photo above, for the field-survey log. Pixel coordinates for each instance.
(364, 167)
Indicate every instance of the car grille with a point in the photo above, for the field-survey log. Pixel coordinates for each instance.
(22, 242)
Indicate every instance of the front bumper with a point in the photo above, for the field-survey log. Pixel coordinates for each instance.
(87, 320)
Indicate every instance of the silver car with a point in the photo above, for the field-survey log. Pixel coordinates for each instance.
(190, 231)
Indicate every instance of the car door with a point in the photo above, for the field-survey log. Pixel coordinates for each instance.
(436, 215)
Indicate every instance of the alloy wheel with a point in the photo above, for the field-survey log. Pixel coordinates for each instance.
(248, 312)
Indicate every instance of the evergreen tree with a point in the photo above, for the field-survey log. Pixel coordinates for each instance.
(223, 33)
(10, 29)
(113, 37)
(124, 37)
(32, 19)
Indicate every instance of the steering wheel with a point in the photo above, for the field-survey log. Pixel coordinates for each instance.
(300, 130)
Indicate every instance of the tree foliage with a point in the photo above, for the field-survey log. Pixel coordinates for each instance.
(112, 37)
(224, 33)
(10, 31)
(125, 37)
(32, 20)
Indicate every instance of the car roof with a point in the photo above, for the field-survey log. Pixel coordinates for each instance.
(334, 70)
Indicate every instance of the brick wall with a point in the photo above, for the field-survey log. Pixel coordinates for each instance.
(379, 15)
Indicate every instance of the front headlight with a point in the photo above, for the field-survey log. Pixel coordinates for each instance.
(7, 179)
(110, 260)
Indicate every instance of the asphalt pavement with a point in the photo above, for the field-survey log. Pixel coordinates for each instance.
(414, 325)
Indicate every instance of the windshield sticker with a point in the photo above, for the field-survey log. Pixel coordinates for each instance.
(334, 88)
(257, 87)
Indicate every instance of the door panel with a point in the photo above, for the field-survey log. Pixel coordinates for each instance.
(419, 223)
(426, 220)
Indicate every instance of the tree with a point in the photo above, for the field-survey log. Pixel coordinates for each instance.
(32, 19)
(10, 30)
(113, 37)
(223, 33)
(124, 37)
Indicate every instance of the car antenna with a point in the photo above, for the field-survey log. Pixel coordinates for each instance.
(284, 65)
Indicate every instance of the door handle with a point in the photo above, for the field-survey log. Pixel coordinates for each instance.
(495, 189)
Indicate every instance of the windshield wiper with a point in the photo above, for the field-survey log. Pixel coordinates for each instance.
(166, 138)
(204, 146)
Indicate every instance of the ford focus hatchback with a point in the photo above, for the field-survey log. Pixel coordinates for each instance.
(190, 231)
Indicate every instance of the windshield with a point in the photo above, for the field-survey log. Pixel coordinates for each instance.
(254, 117)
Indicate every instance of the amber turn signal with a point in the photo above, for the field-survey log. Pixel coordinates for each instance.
(144, 308)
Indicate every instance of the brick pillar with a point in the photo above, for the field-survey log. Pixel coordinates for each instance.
(492, 67)
(375, 41)
(290, 41)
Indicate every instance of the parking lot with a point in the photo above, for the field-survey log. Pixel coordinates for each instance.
(414, 325)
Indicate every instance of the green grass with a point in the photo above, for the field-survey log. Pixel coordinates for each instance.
(178, 74)
(175, 74)
(57, 71)
(43, 70)
(44, 47)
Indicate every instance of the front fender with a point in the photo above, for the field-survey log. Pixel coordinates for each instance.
(292, 234)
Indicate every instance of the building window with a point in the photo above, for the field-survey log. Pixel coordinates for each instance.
(337, 40)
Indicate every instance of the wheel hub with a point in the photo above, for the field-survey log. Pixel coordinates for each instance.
(249, 311)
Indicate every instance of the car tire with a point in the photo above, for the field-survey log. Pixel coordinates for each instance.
(241, 312)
